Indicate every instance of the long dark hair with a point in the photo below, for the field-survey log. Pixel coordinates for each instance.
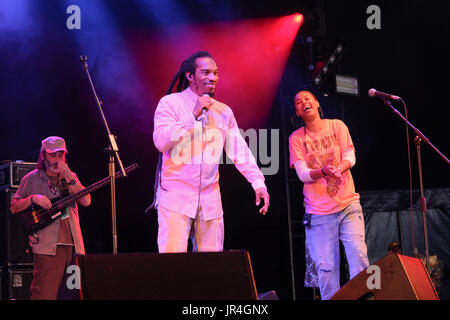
(188, 65)
(40, 163)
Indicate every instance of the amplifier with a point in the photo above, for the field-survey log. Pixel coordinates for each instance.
(14, 247)
(11, 172)
(16, 283)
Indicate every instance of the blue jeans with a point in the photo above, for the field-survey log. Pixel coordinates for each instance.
(322, 240)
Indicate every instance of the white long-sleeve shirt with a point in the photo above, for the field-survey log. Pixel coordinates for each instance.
(192, 151)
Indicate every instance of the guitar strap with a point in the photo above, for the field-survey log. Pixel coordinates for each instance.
(64, 188)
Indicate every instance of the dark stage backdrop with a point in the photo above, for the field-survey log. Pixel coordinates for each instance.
(135, 47)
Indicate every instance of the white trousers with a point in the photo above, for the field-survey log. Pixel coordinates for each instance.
(174, 230)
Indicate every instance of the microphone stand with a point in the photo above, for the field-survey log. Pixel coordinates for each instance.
(113, 151)
(423, 204)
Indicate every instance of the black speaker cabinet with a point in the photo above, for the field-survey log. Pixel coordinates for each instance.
(394, 277)
(16, 283)
(224, 275)
(14, 249)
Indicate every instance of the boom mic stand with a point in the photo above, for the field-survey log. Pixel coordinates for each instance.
(423, 204)
(113, 151)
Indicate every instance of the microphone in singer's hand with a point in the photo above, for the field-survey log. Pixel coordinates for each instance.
(382, 95)
(211, 94)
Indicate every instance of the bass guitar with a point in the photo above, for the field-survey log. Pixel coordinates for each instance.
(36, 218)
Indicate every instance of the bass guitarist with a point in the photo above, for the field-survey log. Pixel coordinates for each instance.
(54, 245)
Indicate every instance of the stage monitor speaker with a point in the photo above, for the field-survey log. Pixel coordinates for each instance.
(224, 275)
(269, 295)
(399, 278)
(14, 248)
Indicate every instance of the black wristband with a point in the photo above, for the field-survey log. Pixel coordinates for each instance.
(323, 172)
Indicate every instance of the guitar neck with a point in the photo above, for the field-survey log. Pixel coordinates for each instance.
(63, 203)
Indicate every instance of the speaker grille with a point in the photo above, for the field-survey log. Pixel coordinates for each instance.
(224, 275)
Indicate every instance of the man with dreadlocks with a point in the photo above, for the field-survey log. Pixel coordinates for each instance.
(191, 129)
(322, 154)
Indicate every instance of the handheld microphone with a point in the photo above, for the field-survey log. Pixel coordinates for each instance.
(211, 94)
(382, 95)
(205, 117)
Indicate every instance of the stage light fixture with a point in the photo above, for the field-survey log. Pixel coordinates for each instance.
(330, 64)
(298, 18)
